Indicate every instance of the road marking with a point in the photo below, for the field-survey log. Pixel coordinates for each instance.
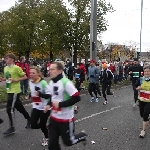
(93, 115)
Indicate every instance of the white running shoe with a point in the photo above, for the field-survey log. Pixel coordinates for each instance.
(92, 99)
(45, 142)
(142, 134)
(105, 102)
(134, 105)
(96, 100)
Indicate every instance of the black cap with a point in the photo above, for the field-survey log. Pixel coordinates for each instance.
(135, 59)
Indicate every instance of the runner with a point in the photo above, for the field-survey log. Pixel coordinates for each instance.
(37, 84)
(135, 71)
(25, 67)
(93, 76)
(143, 86)
(82, 67)
(106, 80)
(13, 75)
(78, 74)
(63, 96)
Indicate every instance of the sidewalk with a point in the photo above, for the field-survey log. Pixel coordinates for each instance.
(83, 92)
(3, 82)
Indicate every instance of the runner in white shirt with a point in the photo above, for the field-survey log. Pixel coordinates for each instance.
(37, 84)
(63, 96)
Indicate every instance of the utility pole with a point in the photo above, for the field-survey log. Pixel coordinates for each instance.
(72, 53)
(93, 30)
(141, 25)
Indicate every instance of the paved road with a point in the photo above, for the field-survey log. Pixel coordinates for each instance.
(118, 116)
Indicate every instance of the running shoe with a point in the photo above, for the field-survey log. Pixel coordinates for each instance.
(142, 134)
(76, 109)
(96, 100)
(28, 124)
(84, 137)
(134, 105)
(45, 142)
(92, 99)
(105, 102)
(9, 131)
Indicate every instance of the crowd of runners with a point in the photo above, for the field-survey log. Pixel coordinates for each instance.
(54, 102)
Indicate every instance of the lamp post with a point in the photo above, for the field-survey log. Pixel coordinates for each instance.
(141, 25)
(93, 30)
(72, 54)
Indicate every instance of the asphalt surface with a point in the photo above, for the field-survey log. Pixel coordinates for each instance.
(118, 116)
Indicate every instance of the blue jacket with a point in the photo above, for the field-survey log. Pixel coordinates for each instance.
(93, 74)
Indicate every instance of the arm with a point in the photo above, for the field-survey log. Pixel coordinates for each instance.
(72, 91)
(97, 73)
(130, 70)
(21, 74)
(138, 83)
(74, 99)
(42, 95)
(2, 79)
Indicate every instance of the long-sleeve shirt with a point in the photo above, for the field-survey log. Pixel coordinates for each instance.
(93, 74)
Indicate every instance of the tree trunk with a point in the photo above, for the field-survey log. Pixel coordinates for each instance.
(51, 55)
(75, 57)
(27, 55)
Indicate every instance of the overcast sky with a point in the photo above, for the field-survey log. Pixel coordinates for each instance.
(124, 23)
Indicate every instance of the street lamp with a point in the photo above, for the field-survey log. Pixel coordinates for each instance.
(141, 25)
(93, 30)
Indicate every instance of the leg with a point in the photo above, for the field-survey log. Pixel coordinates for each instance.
(141, 108)
(146, 112)
(10, 111)
(26, 86)
(90, 89)
(35, 116)
(135, 95)
(135, 92)
(98, 89)
(77, 85)
(108, 89)
(10, 107)
(22, 86)
(19, 106)
(94, 89)
(104, 91)
(67, 134)
(53, 136)
(43, 121)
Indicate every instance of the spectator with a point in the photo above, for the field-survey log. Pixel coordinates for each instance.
(25, 67)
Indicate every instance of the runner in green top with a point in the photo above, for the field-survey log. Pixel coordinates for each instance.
(13, 75)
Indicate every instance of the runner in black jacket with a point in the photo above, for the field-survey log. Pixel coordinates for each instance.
(106, 77)
(135, 71)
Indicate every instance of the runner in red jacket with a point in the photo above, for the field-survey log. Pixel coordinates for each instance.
(25, 67)
(82, 79)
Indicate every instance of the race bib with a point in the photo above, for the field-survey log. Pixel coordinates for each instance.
(135, 74)
(77, 76)
(145, 95)
(36, 100)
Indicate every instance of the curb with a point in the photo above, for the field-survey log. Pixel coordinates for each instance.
(83, 93)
